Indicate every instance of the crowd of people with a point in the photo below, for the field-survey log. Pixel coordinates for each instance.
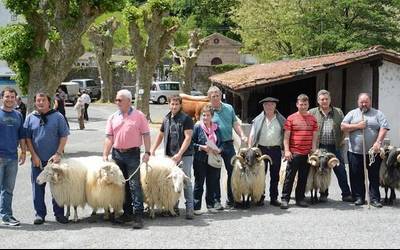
(45, 131)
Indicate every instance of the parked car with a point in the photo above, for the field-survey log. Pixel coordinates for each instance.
(90, 86)
(161, 91)
(71, 89)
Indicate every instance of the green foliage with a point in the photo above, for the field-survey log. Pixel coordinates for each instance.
(54, 35)
(16, 44)
(131, 66)
(221, 68)
(274, 29)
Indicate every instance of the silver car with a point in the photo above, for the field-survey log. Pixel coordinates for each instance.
(161, 91)
(90, 86)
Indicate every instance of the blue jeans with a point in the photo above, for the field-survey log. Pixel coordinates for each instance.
(8, 174)
(128, 163)
(340, 171)
(188, 188)
(204, 172)
(39, 194)
(228, 151)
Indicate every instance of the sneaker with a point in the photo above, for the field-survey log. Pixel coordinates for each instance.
(284, 204)
(376, 204)
(348, 198)
(275, 203)
(10, 222)
(38, 220)
(123, 219)
(197, 212)
(212, 210)
(62, 219)
(218, 206)
(229, 205)
(189, 214)
(138, 221)
(13, 218)
(301, 203)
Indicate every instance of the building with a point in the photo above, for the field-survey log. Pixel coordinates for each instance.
(374, 70)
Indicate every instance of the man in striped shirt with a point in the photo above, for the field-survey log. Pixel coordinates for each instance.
(301, 132)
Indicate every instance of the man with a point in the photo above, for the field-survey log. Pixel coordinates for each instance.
(126, 131)
(267, 134)
(176, 131)
(21, 107)
(224, 116)
(375, 127)
(47, 134)
(301, 132)
(11, 134)
(331, 138)
(86, 100)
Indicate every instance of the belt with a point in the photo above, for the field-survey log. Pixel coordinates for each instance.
(128, 150)
(270, 147)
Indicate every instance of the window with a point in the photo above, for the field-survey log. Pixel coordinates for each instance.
(216, 61)
(80, 83)
(91, 83)
(163, 86)
(174, 86)
(216, 41)
(153, 87)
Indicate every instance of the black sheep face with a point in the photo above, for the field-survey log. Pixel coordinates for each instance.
(393, 158)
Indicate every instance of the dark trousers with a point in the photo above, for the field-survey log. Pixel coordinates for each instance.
(298, 164)
(128, 163)
(228, 151)
(357, 179)
(276, 155)
(39, 195)
(86, 116)
(204, 172)
(340, 171)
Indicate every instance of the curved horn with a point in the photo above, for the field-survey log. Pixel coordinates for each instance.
(263, 157)
(398, 158)
(333, 162)
(313, 160)
(237, 157)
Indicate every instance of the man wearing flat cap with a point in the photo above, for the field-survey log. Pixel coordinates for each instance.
(267, 134)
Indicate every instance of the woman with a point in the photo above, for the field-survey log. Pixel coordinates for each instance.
(80, 108)
(205, 131)
(59, 105)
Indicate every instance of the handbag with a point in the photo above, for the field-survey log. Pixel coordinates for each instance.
(215, 161)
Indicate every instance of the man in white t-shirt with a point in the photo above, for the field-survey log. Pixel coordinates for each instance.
(87, 101)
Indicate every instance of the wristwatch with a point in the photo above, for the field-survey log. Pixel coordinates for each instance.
(148, 153)
(58, 153)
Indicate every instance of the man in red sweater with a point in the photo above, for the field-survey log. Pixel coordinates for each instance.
(301, 132)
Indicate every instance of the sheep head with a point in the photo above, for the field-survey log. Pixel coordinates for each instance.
(384, 152)
(52, 173)
(323, 160)
(240, 156)
(110, 174)
(393, 157)
(249, 157)
(178, 178)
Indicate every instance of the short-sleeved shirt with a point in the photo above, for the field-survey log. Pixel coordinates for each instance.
(176, 133)
(271, 133)
(11, 131)
(46, 135)
(225, 118)
(375, 121)
(302, 128)
(127, 130)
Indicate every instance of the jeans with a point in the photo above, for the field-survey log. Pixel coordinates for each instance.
(228, 151)
(357, 176)
(8, 175)
(188, 188)
(204, 172)
(39, 194)
(276, 156)
(340, 171)
(85, 115)
(128, 163)
(298, 164)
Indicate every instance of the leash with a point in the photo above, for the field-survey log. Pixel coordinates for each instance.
(136, 171)
(372, 156)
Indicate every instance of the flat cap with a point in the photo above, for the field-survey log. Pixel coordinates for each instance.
(269, 99)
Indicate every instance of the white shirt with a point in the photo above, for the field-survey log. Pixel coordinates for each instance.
(86, 98)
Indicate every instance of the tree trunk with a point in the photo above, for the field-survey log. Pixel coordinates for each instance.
(144, 80)
(106, 76)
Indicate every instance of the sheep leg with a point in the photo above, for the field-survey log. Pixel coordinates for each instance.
(386, 200)
(152, 212)
(106, 214)
(248, 204)
(392, 196)
(68, 212)
(75, 214)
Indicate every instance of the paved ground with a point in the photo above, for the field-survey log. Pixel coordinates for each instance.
(331, 225)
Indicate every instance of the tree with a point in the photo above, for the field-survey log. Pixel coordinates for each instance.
(101, 36)
(50, 40)
(151, 28)
(188, 61)
(274, 29)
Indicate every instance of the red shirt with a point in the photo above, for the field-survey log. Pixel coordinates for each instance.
(302, 128)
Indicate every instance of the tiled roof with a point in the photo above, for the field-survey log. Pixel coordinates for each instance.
(264, 74)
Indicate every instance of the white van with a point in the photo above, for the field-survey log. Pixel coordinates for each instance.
(161, 91)
(90, 86)
(72, 91)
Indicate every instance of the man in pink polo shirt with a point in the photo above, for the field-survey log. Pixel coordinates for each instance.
(125, 132)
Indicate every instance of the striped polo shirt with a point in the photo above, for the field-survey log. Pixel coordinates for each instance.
(302, 128)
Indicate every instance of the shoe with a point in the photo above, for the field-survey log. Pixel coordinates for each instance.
(124, 218)
(359, 202)
(284, 204)
(348, 198)
(275, 203)
(212, 210)
(197, 212)
(301, 203)
(189, 214)
(229, 205)
(62, 219)
(218, 206)
(376, 204)
(323, 198)
(13, 218)
(38, 220)
(10, 222)
(138, 221)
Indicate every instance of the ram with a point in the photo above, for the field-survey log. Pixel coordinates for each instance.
(389, 174)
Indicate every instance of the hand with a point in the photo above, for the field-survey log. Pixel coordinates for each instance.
(288, 156)
(36, 161)
(362, 125)
(153, 153)
(217, 152)
(22, 158)
(205, 148)
(177, 158)
(55, 158)
(105, 158)
(376, 147)
(145, 158)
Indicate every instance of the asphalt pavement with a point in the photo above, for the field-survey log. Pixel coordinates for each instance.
(331, 225)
